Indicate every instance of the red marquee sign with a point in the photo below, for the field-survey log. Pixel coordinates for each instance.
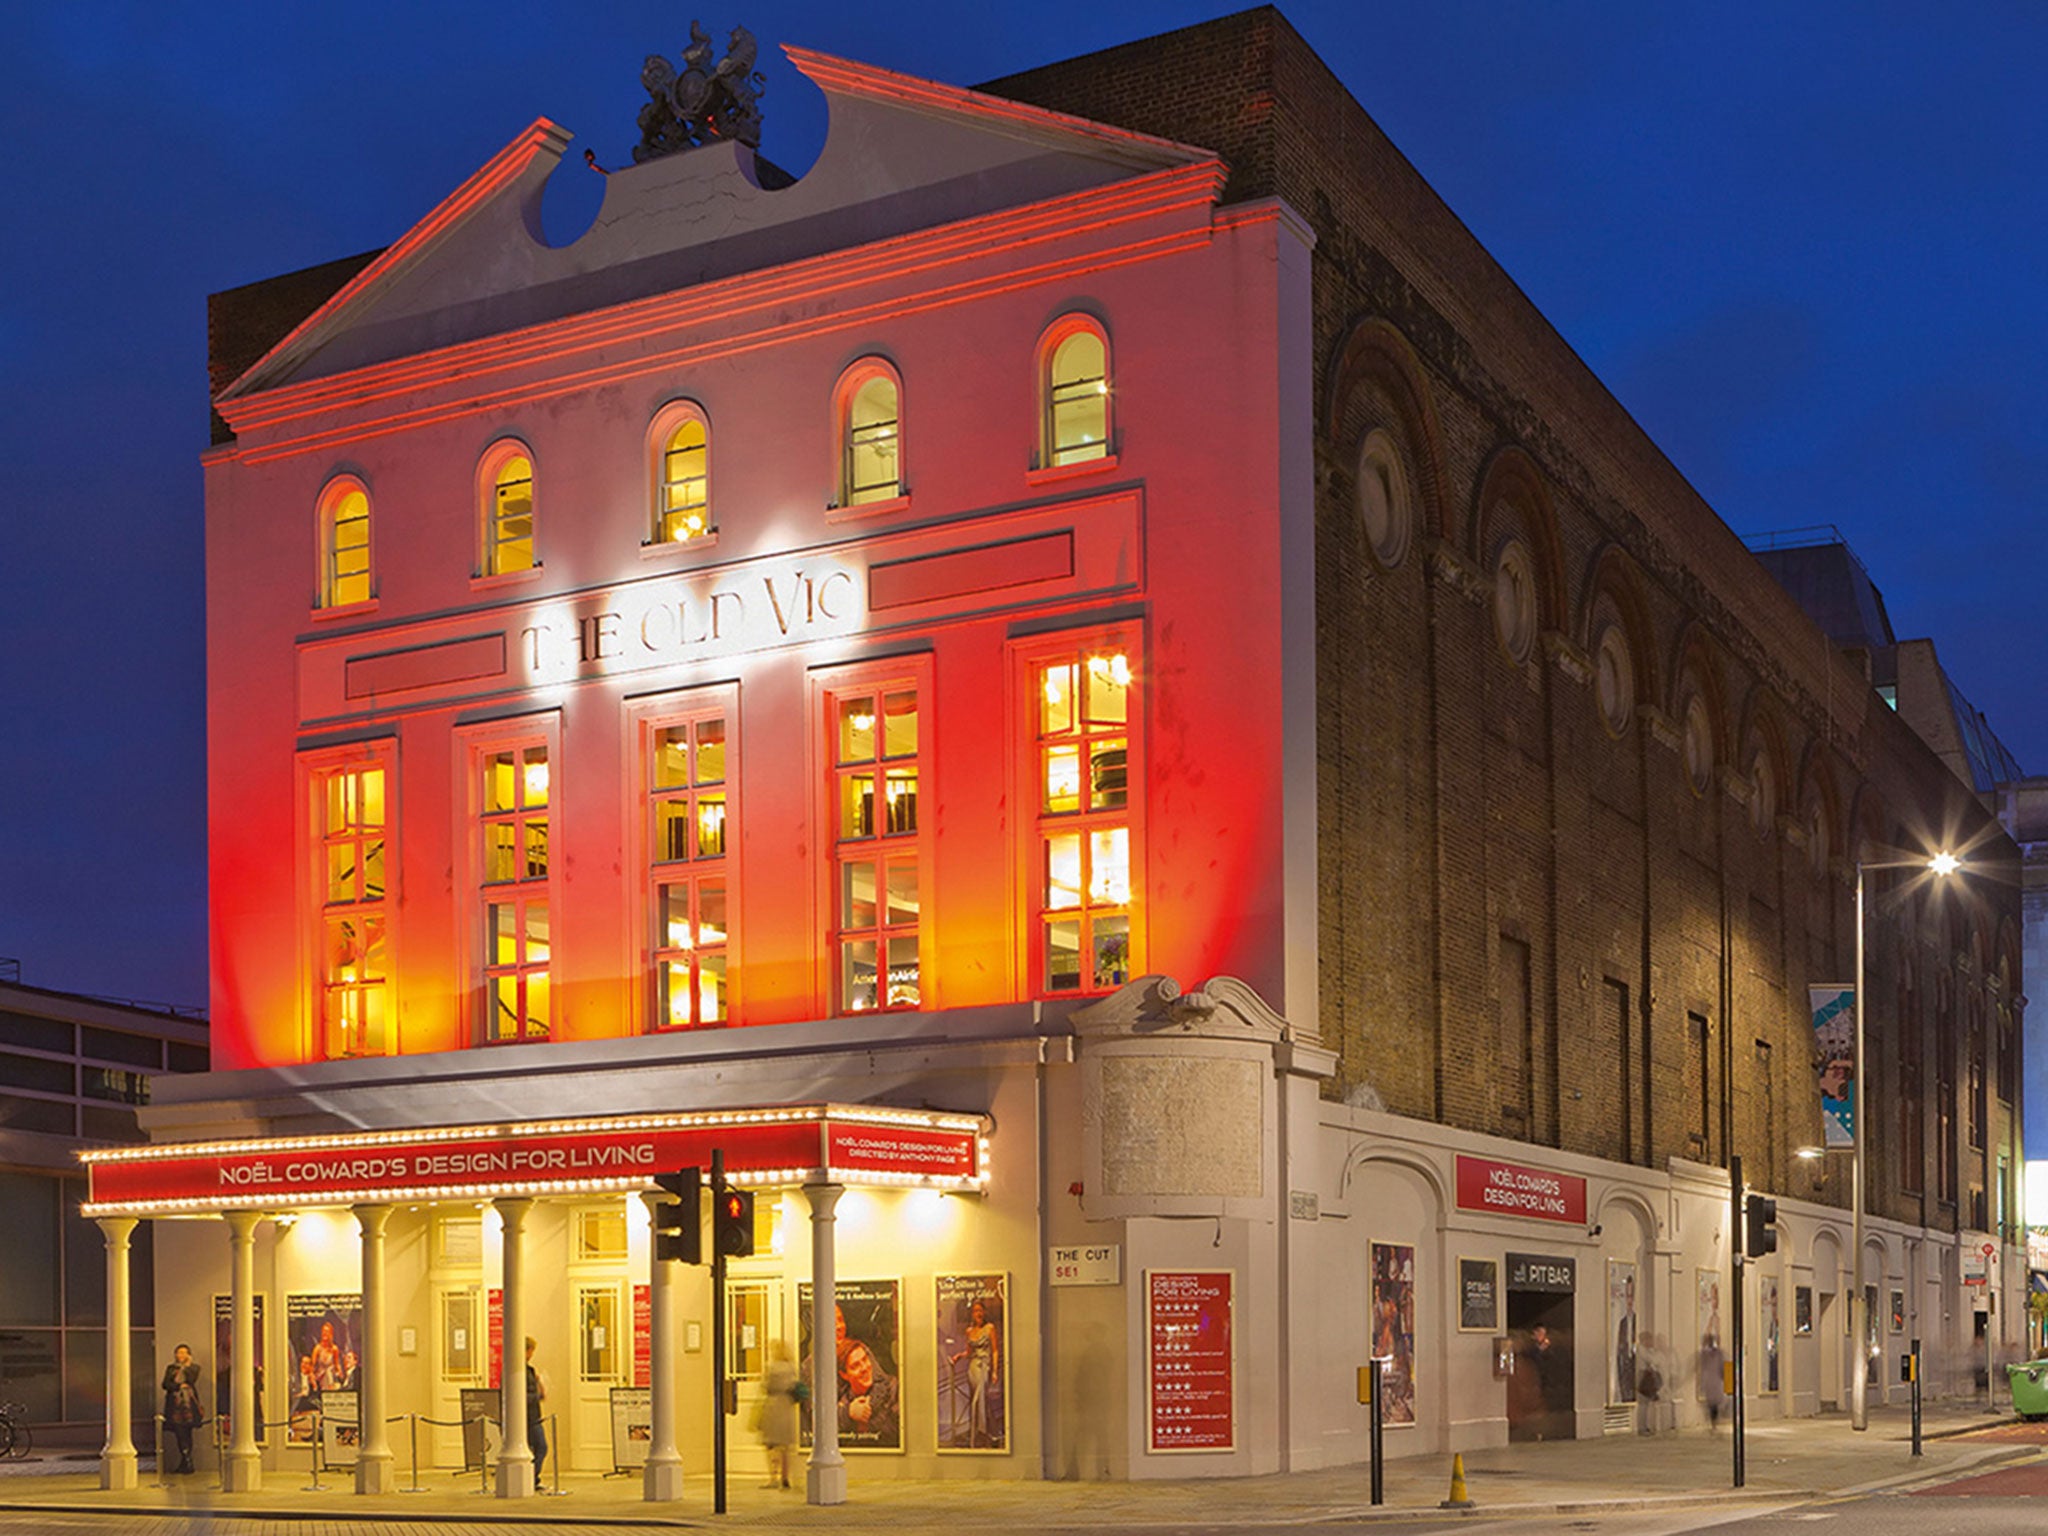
(854, 1145)
(1512, 1189)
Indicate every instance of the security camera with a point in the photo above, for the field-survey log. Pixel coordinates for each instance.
(1593, 1230)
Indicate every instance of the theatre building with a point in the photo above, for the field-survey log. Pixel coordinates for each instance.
(1087, 696)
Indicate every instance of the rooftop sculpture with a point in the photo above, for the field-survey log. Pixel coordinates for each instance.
(704, 104)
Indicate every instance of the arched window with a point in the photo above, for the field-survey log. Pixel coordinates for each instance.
(870, 435)
(506, 486)
(682, 478)
(1075, 389)
(344, 544)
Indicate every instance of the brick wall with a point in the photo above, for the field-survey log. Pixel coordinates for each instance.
(1467, 799)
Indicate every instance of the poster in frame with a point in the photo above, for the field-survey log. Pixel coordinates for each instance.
(1707, 1317)
(1190, 1360)
(1478, 1295)
(1621, 1328)
(868, 1390)
(323, 1339)
(1767, 1318)
(971, 1315)
(1392, 1329)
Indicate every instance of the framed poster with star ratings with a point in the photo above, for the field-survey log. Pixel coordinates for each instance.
(1189, 1367)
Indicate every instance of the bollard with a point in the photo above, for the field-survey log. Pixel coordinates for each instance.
(1913, 1366)
(1459, 1498)
(1379, 1420)
(314, 1486)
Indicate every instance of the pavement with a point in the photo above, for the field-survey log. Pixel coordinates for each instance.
(1787, 1461)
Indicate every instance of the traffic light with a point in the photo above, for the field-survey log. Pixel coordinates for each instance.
(1759, 1232)
(678, 1228)
(732, 1222)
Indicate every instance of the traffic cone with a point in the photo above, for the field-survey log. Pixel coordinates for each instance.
(1459, 1498)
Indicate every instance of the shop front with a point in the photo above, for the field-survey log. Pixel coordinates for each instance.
(375, 1286)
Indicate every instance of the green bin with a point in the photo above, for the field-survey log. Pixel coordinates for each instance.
(2029, 1388)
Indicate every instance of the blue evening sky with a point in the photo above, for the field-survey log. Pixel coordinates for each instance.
(1804, 243)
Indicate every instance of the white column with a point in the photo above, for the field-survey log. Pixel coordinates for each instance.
(825, 1481)
(117, 1461)
(663, 1478)
(244, 1470)
(373, 1455)
(515, 1459)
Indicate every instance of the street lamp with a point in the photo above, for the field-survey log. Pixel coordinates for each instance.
(1941, 864)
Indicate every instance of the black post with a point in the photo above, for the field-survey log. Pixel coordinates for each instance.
(717, 1344)
(1914, 1358)
(1736, 1247)
(1379, 1487)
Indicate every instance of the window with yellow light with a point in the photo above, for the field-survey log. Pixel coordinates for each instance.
(1082, 709)
(690, 803)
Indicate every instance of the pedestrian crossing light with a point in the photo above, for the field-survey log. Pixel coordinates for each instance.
(732, 1223)
(678, 1228)
(1759, 1226)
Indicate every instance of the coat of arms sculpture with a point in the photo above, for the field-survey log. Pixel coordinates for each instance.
(705, 103)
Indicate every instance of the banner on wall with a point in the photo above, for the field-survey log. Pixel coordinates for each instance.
(972, 1322)
(1834, 1061)
(223, 1357)
(643, 1335)
(324, 1336)
(870, 1354)
(494, 1312)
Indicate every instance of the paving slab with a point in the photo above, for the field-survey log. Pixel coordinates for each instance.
(1787, 1461)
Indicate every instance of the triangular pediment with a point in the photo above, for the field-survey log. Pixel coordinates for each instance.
(901, 155)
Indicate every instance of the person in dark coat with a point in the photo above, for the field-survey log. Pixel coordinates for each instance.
(182, 1413)
(536, 1427)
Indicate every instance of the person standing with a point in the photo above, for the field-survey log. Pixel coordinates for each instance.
(1551, 1372)
(182, 1413)
(536, 1393)
(780, 1385)
(1712, 1385)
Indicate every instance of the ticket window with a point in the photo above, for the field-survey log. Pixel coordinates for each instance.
(597, 1307)
(462, 1348)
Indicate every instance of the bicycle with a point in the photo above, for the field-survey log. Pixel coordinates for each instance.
(16, 1438)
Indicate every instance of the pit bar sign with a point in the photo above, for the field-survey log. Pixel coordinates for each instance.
(1512, 1189)
(541, 1156)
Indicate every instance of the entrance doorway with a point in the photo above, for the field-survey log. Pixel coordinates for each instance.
(1829, 1326)
(1542, 1389)
(754, 1327)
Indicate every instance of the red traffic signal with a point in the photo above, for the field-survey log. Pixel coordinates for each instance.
(732, 1223)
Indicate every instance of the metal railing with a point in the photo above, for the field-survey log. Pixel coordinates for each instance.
(317, 1446)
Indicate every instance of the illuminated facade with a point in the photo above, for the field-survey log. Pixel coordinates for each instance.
(1023, 687)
